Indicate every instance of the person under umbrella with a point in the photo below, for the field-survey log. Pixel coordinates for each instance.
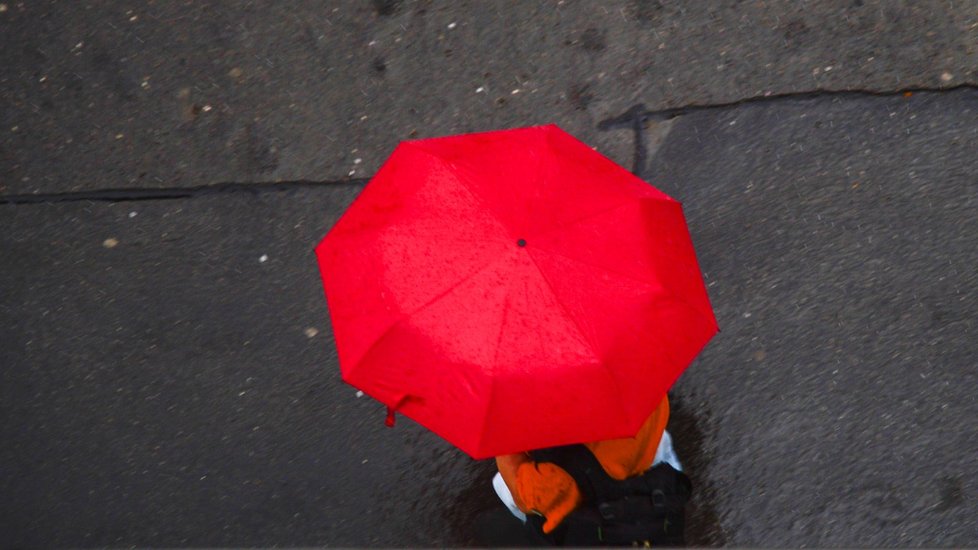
(548, 499)
(514, 291)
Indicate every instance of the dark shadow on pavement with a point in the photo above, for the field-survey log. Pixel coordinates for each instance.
(476, 517)
(702, 521)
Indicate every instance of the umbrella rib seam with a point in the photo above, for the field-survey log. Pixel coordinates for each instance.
(587, 338)
(475, 197)
(492, 377)
(668, 290)
(596, 266)
(627, 201)
(624, 201)
(459, 172)
(406, 316)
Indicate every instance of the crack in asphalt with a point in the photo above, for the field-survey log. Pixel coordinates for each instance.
(636, 116)
(634, 119)
(625, 119)
(170, 193)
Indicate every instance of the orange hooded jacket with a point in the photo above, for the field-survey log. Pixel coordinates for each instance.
(548, 490)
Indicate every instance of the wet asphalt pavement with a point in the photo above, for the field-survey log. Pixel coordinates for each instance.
(167, 370)
(108, 95)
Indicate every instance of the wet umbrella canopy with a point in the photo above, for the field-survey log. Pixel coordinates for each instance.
(514, 290)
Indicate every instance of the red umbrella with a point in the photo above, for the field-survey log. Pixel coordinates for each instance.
(514, 290)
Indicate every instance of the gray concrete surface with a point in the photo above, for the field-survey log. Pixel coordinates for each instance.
(162, 386)
(167, 375)
(838, 239)
(176, 390)
(102, 94)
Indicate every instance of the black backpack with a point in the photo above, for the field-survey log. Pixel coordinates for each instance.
(643, 510)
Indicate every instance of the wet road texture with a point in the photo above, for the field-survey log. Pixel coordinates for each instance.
(169, 376)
